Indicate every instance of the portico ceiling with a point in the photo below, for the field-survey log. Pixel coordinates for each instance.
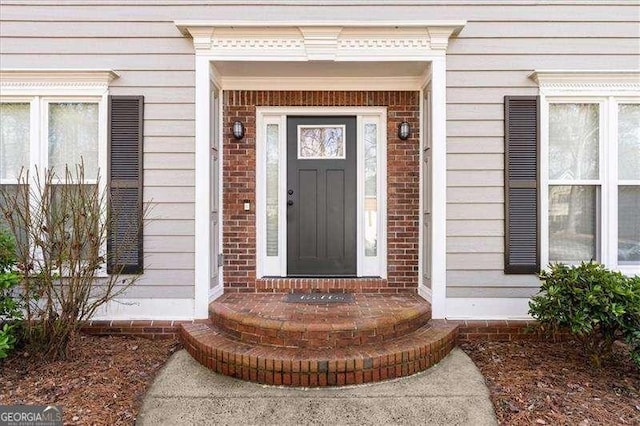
(317, 75)
(321, 69)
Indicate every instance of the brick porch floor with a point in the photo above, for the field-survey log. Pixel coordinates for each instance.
(262, 338)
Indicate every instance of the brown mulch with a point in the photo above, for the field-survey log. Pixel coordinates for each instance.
(547, 383)
(102, 382)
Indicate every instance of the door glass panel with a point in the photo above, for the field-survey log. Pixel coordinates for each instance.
(320, 142)
(371, 189)
(14, 139)
(629, 224)
(73, 137)
(629, 141)
(272, 189)
(572, 223)
(573, 141)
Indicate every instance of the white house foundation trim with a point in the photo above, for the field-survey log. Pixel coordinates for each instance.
(146, 309)
(487, 308)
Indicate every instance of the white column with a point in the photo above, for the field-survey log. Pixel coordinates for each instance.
(202, 190)
(439, 187)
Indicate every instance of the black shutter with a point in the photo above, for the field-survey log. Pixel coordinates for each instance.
(124, 243)
(522, 234)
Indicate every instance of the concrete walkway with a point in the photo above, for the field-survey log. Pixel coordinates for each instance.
(450, 393)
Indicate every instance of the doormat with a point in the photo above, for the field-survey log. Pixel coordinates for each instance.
(320, 298)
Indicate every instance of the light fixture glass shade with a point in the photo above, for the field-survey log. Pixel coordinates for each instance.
(238, 130)
(404, 130)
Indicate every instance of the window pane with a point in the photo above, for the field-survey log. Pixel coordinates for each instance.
(573, 141)
(74, 221)
(629, 224)
(73, 136)
(14, 201)
(629, 141)
(321, 142)
(272, 189)
(572, 223)
(14, 139)
(371, 189)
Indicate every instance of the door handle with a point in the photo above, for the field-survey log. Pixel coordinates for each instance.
(290, 202)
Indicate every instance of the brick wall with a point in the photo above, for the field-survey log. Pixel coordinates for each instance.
(502, 331)
(138, 328)
(239, 241)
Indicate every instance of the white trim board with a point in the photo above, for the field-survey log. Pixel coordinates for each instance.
(308, 41)
(216, 292)
(184, 26)
(487, 308)
(203, 237)
(146, 309)
(587, 83)
(425, 292)
(322, 83)
(55, 82)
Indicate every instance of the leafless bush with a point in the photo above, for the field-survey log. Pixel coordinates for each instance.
(61, 225)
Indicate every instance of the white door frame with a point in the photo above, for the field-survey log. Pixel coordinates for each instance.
(277, 266)
(264, 41)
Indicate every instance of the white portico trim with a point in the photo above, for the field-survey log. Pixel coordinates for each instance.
(321, 41)
(371, 49)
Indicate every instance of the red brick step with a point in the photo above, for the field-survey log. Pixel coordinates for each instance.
(267, 319)
(370, 362)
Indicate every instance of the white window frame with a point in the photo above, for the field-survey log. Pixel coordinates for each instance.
(367, 266)
(607, 207)
(42, 87)
(39, 144)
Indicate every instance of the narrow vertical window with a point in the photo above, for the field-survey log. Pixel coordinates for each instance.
(574, 178)
(628, 183)
(371, 189)
(272, 185)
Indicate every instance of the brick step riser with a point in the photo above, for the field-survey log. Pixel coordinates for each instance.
(313, 338)
(317, 372)
(329, 285)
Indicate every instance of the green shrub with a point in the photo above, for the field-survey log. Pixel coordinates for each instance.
(594, 304)
(10, 308)
(7, 340)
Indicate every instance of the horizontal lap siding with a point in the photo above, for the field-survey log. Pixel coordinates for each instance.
(487, 61)
(153, 59)
(491, 58)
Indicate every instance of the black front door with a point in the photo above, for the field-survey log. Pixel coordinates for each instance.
(321, 196)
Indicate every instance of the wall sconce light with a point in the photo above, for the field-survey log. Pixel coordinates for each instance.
(404, 130)
(238, 130)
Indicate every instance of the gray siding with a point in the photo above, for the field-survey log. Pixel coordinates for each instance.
(500, 45)
(485, 62)
(154, 60)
